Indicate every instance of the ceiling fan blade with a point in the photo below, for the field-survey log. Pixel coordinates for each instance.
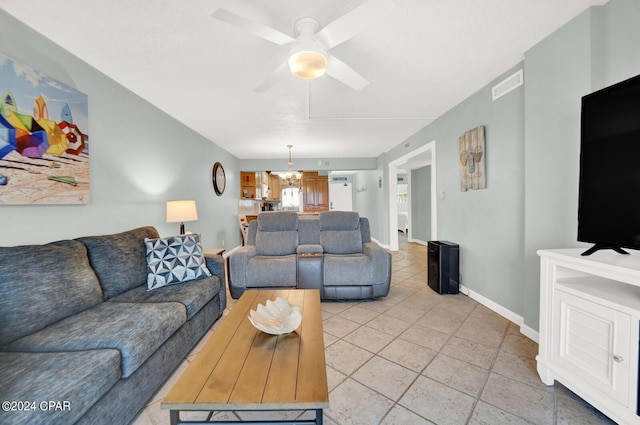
(272, 79)
(345, 74)
(353, 22)
(252, 27)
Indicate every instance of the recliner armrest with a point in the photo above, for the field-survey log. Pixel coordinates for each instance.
(381, 261)
(309, 249)
(238, 261)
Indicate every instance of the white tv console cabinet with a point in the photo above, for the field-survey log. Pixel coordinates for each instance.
(589, 316)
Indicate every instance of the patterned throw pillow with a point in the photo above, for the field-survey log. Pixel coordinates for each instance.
(174, 259)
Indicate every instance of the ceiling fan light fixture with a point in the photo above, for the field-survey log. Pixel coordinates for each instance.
(308, 64)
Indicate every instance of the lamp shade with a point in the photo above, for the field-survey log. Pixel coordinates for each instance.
(181, 211)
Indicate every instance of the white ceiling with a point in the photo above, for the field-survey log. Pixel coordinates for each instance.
(421, 59)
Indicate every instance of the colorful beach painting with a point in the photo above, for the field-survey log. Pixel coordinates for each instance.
(44, 139)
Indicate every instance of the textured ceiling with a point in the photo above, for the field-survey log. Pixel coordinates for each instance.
(421, 59)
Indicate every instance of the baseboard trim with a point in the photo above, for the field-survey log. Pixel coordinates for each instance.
(418, 241)
(504, 312)
(387, 247)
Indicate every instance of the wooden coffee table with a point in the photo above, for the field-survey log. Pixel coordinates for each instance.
(241, 368)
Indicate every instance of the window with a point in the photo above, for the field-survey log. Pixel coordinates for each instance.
(291, 199)
(402, 193)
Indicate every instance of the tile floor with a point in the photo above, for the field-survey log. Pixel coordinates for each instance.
(416, 357)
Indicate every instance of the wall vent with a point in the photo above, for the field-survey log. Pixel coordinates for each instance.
(508, 84)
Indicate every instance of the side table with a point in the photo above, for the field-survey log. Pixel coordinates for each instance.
(219, 251)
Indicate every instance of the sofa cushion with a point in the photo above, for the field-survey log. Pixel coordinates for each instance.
(339, 270)
(119, 260)
(309, 230)
(340, 232)
(136, 329)
(41, 284)
(272, 271)
(278, 221)
(339, 220)
(193, 295)
(341, 241)
(277, 233)
(77, 378)
(174, 259)
(276, 243)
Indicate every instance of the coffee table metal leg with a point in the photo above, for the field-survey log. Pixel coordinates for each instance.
(174, 415)
(319, 416)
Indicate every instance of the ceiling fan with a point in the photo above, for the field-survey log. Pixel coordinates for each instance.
(309, 57)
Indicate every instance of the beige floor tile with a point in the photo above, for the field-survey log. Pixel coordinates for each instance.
(346, 357)
(368, 338)
(519, 399)
(408, 354)
(475, 331)
(520, 345)
(457, 374)
(485, 414)
(389, 325)
(437, 402)
(385, 377)
(519, 368)
(425, 337)
(335, 307)
(470, 352)
(339, 326)
(353, 403)
(334, 378)
(329, 339)
(405, 313)
(359, 315)
(401, 416)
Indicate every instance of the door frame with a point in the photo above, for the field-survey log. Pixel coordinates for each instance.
(393, 193)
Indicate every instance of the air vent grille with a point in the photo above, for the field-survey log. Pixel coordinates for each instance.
(510, 83)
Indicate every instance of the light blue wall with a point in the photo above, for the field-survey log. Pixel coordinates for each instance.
(140, 158)
(532, 152)
(421, 204)
(487, 224)
(596, 49)
(367, 202)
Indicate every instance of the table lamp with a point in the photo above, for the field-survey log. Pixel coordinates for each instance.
(181, 211)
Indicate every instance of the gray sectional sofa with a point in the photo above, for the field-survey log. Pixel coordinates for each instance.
(82, 340)
(331, 252)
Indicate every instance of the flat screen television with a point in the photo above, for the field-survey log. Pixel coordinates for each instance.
(609, 197)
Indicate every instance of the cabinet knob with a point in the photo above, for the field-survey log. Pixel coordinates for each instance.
(618, 359)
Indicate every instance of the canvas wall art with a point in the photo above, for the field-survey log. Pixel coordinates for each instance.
(44, 139)
(472, 160)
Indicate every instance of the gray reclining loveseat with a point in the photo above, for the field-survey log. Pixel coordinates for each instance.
(331, 252)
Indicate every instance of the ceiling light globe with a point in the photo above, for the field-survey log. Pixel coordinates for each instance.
(308, 64)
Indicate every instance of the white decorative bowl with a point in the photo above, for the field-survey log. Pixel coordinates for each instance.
(277, 317)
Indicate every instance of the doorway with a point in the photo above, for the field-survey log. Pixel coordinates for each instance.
(340, 196)
(423, 156)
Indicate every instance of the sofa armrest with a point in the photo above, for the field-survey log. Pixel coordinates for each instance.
(238, 262)
(309, 249)
(381, 260)
(215, 264)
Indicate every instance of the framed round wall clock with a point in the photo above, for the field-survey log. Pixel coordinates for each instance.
(219, 179)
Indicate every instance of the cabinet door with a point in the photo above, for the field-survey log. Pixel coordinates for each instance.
(316, 194)
(592, 342)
